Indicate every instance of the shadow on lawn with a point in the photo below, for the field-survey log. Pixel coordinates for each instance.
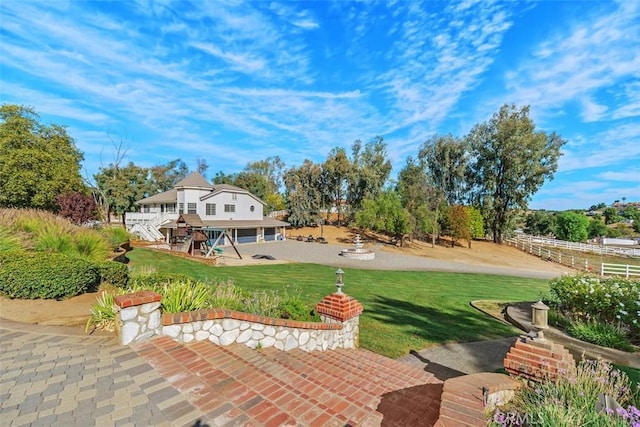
(437, 326)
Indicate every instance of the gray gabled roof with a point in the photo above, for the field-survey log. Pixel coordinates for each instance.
(170, 196)
(220, 188)
(229, 187)
(194, 180)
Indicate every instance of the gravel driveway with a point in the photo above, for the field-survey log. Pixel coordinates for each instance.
(329, 254)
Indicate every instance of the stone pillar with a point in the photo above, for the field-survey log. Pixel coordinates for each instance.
(345, 310)
(138, 316)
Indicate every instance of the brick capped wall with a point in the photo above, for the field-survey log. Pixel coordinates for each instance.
(139, 318)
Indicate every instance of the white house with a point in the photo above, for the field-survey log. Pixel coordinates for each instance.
(211, 210)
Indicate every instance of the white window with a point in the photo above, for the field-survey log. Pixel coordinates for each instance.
(191, 208)
(229, 208)
(181, 209)
(234, 196)
(146, 208)
(211, 208)
(171, 208)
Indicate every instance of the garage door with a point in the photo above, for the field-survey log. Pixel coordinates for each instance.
(269, 234)
(247, 236)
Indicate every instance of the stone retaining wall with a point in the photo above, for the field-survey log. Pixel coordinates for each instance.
(139, 318)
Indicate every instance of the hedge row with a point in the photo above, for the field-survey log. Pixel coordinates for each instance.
(29, 275)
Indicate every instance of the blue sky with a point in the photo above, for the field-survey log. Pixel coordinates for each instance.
(233, 82)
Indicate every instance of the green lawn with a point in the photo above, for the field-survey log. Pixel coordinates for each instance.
(403, 310)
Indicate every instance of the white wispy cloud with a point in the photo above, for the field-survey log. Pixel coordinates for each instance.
(615, 145)
(593, 54)
(624, 175)
(234, 81)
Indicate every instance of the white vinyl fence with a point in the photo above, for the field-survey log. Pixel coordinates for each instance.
(620, 270)
(578, 247)
(574, 261)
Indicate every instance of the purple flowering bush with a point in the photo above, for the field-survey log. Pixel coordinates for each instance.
(571, 400)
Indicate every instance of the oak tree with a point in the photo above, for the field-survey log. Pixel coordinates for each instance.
(38, 162)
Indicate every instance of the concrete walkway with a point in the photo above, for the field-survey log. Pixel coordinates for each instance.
(453, 360)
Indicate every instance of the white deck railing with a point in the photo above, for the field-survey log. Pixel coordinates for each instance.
(154, 219)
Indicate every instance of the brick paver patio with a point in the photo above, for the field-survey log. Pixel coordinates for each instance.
(54, 376)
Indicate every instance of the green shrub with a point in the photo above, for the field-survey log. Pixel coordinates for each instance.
(32, 275)
(181, 293)
(294, 307)
(52, 239)
(262, 303)
(600, 333)
(609, 300)
(558, 319)
(154, 281)
(115, 236)
(9, 241)
(114, 273)
(186, 295)
(103, 313)
(90, 245)
(227, 295)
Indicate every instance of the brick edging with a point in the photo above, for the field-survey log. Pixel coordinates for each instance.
(217, 313)
(136, 298)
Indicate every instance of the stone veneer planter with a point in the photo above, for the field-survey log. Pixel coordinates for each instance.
(139, 319)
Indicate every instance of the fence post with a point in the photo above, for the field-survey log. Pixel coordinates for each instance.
(627, 275)
(559, 257)
(602, 269)
(571, 261)
(586, 264)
